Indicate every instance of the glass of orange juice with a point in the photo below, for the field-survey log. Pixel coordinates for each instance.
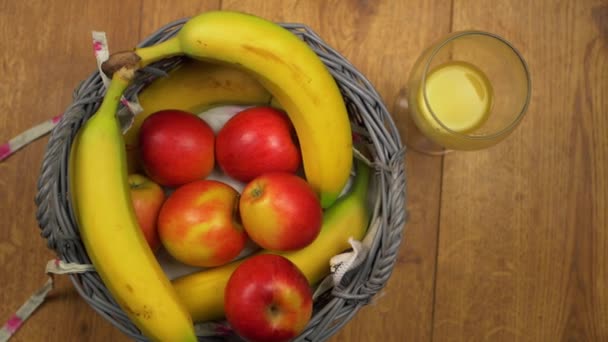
(467, 91)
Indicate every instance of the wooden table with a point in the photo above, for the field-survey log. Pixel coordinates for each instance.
(505, 244)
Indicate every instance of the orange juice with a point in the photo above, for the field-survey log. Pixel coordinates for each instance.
(459, 94)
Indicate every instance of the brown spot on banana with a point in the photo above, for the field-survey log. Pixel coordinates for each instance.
(145, 313)
(264, 53)
(297, 73)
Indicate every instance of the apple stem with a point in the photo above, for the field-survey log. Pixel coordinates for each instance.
(273, 310)
(135, 185)
(256, 192)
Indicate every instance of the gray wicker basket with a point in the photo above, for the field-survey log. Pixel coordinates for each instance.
(369, 117)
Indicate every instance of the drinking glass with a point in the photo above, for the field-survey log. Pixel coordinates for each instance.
(467, 91)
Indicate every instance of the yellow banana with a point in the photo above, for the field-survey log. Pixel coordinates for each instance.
(290, 70)
(109, 229)
(203, 292)
(194, 86)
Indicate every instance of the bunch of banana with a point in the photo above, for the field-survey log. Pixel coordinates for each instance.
(288, 68)
(203, 292)
(194, 86)
(109, 229)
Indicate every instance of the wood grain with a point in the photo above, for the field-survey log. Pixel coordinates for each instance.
(506, 244)
(156, 13)
(523, 241)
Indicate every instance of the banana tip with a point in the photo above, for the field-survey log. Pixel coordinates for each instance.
(327, 199)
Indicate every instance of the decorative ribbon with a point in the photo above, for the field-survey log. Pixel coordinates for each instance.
(54, 266)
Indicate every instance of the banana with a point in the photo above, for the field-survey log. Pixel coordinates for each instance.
(109, 229)
(289, 69)
(203, 292)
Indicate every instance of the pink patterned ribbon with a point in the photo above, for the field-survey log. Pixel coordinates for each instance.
(55, 266)
(100, 48)
(13, 324)
(102, 53)
(21, 140)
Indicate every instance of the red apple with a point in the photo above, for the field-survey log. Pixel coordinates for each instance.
(147, 197)
(280, 211)
(267, 298)
(255, 141)
(198, 224)
(176, 147)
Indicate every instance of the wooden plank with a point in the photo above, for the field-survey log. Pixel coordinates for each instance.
(523, 251)
(46, 51)
(383, 39)
(157, 13)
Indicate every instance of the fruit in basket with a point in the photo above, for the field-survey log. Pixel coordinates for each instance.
(265, 136)
(287, 67)
(198, 224)
(194, 86)
(280, 211)
(176, 147)
(268, 299)
(202, 292)
(147, 197)
(108, 226)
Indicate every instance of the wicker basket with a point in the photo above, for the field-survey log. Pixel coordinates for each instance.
(369, 117)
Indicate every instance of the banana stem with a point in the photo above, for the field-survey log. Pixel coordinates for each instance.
(141, 57)
(154, 53)
(121, 79)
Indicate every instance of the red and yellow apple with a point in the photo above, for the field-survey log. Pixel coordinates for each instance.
(268, 299)
(176, 147)
(255, 141)
(198, 224)
(147, 197)
(280, 211)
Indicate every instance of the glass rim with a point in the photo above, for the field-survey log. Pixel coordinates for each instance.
(508, 128)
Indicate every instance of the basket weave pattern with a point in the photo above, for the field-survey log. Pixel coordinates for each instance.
(370, 118)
